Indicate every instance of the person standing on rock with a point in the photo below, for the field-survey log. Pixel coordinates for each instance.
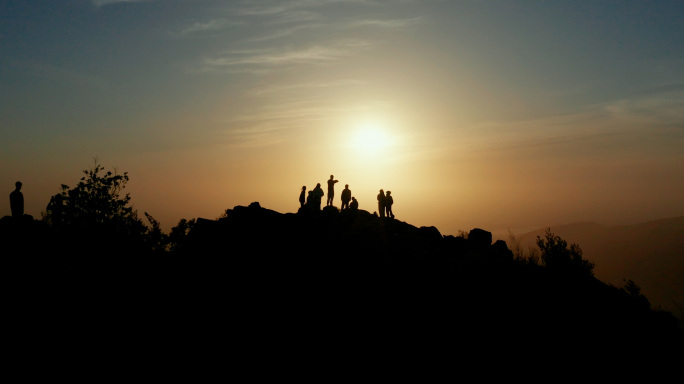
(346, 197)
(381, 203)
(318, 195)
(310, 200)
(302, 197)
(17, 201)
(388, 204)
(331, 191)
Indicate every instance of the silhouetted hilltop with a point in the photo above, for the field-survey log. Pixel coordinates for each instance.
(348, 280)
(353, 265)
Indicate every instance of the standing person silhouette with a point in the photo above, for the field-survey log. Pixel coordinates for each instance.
(381, 203)
(346, 196)
(17, 201)
(310, 199)
(317, 195)
(331, 191)
(302, 197)
(388, 204)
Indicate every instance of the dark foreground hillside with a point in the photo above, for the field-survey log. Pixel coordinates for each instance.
(324, 281)
(650, 253)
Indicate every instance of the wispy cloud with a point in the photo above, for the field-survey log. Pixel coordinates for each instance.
(618, 128)
(210, 26)
(283, 32)
(373, 23)
(392, 23)
(315, 54)
(100, 3)
(666, 108)
(304, 86)
(273, 123)
(262, 8)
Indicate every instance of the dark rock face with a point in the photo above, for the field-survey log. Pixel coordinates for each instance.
(480, 238)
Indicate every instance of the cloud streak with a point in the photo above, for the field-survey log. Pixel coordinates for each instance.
(382, 23)
(286, 88)
(265, 8)
(210, 26)
(315, 54)
(101, 3)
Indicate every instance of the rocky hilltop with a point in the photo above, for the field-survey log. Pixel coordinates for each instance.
(363, 273)
(328, 278)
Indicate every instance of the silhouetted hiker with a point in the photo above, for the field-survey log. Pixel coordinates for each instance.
(346, 196)
(17, 201)
(354, 204)
(381, 203)
(318, 195)
(302, 198)
(388, 204)
(56, 207)
(310, 199)
(331, 191)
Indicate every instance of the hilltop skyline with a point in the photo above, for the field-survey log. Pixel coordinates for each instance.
(486, 114)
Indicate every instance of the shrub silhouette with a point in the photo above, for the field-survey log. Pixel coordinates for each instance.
(178, 235)
(556, 255)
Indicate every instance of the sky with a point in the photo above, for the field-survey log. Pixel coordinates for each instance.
(494, 114)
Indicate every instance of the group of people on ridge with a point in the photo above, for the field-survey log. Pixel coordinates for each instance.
(313, 198)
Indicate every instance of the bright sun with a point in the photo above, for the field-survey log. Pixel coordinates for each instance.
(370, 139)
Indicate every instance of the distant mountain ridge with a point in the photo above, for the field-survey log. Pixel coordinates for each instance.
(649, 253)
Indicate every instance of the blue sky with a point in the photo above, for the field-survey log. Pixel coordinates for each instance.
(508, 113)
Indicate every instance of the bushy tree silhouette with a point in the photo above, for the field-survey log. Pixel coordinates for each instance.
(556, 255)
(96, 200)
(179, 233)
(98, 215)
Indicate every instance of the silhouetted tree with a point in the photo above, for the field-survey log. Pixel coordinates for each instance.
(96, 200)
(635, 291)
(99, 214)
(156, 238)
(558, 256)
(179, 233)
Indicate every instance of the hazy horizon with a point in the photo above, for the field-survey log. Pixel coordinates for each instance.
(474, 113)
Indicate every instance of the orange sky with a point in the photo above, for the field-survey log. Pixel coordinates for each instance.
(474, 114)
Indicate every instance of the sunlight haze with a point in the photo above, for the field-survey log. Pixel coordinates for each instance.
(492, 114)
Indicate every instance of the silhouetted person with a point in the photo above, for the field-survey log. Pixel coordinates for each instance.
(354, 204)
(17, 201)
(381, 203)
(56, 208)
(302, 197)
(388, 204)
(318, 195)
(310, 199)
(331, 191)
(346, 196)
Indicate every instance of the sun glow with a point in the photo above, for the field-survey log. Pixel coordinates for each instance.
(371, 140)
